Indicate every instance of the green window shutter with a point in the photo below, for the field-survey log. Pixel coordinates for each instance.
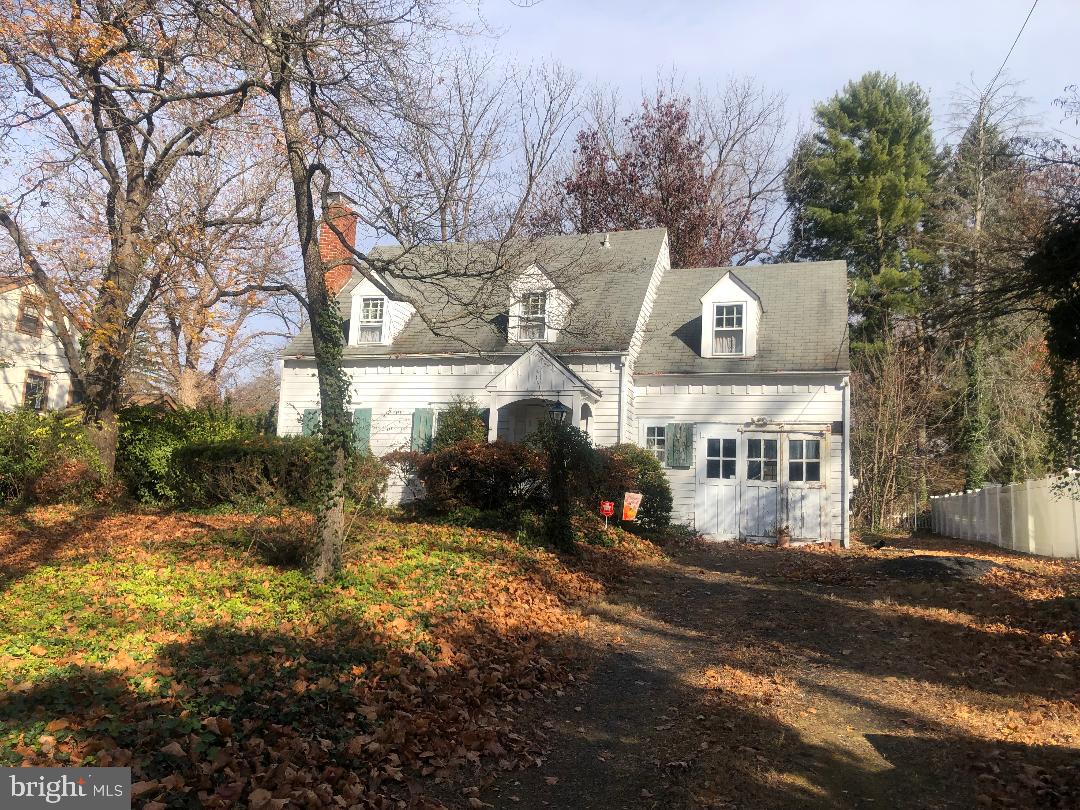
(680, 445)
(422, 419)
(361, 429)
(309, 425)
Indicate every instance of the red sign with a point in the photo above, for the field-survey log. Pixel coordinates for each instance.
(607, 508)
(631, 503)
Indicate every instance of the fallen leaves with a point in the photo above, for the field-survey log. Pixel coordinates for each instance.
(226, 680)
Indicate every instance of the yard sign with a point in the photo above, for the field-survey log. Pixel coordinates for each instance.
(631, 502)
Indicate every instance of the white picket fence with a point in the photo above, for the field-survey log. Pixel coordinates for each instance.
(1035, 517)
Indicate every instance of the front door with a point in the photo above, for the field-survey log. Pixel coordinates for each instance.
(718, 486)
(805, 486)
(761, 486)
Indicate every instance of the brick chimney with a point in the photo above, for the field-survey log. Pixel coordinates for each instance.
(339, 210)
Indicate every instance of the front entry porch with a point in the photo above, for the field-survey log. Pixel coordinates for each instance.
(522, 395)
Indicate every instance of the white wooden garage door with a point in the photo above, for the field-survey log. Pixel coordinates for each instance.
(749, 483)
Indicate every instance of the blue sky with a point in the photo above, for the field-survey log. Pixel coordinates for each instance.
(805, 49)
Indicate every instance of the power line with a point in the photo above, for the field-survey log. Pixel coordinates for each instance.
(1013, 46)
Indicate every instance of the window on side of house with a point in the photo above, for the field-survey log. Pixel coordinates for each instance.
(804, 460)
(532, 323)
(656, 442)
(31, 316)
(728, 330)
(36, 391)
(369, 329)
(720, 457)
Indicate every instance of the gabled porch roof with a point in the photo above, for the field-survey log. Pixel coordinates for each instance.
(538, 372)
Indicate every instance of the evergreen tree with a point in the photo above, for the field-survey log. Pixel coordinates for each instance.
(858, 188)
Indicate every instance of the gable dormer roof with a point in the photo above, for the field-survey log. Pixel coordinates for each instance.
(714, 291)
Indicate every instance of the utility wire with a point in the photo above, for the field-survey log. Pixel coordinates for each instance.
(1013, 46)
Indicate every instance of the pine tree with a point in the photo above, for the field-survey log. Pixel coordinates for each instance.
(858, 188)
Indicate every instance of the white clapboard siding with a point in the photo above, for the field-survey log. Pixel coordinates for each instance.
(21, 353)
(393, 389)
(794, 400)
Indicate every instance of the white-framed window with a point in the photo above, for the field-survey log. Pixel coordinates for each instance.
(720, 458)
(761, 459)
(532, 323)
(804, 460)
(656, 441)
(728, 330)
(369, 329)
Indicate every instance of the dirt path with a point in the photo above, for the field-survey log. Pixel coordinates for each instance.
(720, 683)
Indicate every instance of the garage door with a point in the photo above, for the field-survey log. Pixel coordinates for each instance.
(748, 483)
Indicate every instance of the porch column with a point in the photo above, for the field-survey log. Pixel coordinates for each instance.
(493, 417)
(575, 409)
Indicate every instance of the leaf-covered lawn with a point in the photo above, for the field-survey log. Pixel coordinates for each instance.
(163, 642)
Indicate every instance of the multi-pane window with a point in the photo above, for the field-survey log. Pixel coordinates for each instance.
(728, 329)
(656, 441)
(31, 317)
(36, 391)
(370, 327)
(761, 459)
(720, 458)
(804, 459)
(532, 324)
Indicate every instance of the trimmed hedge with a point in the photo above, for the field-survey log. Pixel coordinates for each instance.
(264, 468)
(267, 470)
(150, 437)
(46, 458)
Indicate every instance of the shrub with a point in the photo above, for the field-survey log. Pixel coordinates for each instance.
(149, 437)
(265, 469)
(572, 465)
(483, 476)
(365, 481)
(629, 468)
(46, 458)
(462, 421)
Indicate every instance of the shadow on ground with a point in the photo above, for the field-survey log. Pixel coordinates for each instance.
(719, 682)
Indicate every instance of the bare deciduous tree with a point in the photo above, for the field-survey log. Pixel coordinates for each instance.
(120, 94)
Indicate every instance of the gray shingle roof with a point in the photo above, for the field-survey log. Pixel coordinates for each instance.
(607, 285)
(803, 322)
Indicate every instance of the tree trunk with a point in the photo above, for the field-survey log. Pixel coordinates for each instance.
(108, 348)
(326, 333)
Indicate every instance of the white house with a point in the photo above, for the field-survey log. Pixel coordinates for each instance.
(33, 369)
(736, 378)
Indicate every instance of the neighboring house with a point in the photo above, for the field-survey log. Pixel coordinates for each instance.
(34, 372)
(736, 378)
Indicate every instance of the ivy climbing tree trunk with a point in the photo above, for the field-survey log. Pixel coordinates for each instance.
(975, 429)
(326, 332)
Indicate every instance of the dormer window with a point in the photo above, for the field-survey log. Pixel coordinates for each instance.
(532, 324)
(730, 314)
(538, 310)
(728, 330)
(369, 327)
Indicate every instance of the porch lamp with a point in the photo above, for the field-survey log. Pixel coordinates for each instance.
(557, 413)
